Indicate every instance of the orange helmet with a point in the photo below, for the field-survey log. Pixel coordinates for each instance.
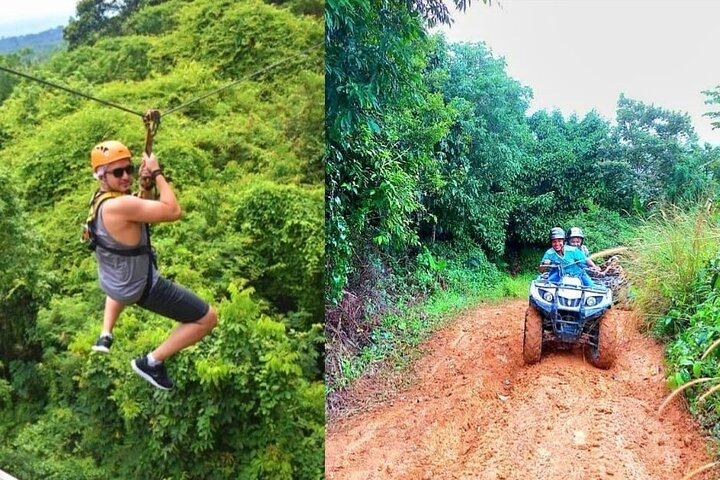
(108, 152)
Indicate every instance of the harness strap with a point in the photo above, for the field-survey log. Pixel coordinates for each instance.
(91, 235)
(152, 263)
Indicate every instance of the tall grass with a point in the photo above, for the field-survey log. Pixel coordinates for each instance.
(669, 251)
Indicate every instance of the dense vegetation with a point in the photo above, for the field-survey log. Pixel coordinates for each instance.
(677, 277)
(247, 168)
(436, 171)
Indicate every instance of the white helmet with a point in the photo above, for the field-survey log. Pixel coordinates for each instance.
(576, 232)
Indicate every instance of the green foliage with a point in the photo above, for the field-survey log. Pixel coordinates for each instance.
(20, 285)
(284, 226)
(110, 59)
(152, 20)
(602, 228)
(689, 355)
(242, 404)
(465, 267)
(482, 155)
(7, 81)
(670, 251)
(567, 174)
(692, 179)
(653, 142)
(236, 35)
(713, 98)
(59, 433)
(96, 19)
(685, 352)
(564, 159)
(375, 54)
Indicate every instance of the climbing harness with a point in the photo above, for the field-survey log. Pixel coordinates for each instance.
(90, 236)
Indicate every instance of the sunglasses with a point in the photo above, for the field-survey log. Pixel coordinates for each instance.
(118, 172)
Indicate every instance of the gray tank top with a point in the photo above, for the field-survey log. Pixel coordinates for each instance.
(121, 278)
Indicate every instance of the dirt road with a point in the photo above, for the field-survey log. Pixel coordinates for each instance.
(473, 410)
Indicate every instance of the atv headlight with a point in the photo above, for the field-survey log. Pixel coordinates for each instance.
(590, 301)
(548, 297)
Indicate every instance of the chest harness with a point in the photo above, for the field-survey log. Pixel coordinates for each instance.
(90, 236)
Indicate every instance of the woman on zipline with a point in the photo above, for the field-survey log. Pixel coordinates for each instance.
(119, 233)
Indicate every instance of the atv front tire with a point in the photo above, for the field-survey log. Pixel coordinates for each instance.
(532, 338)
(604, 355)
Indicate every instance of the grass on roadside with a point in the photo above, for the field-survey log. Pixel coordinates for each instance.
(396, 338)
(669, 251)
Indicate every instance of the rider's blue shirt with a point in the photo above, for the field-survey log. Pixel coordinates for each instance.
(573, 261)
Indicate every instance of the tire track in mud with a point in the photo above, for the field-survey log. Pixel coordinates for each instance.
(474, 410)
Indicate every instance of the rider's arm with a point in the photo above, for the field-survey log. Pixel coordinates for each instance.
(545, 262)
(585, 259)
(164, 209)
(138, 210)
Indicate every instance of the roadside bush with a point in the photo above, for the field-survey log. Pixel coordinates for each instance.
(602, 228)
(669, 252)
(522, 260)
(467, 267)
(693, 355)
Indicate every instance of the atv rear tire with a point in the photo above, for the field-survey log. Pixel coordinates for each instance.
(532, 338)
(604, 355)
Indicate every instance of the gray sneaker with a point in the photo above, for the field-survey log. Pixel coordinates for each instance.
(103, 344)
(157, 375)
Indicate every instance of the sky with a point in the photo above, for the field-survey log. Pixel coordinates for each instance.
(20, 17)
(581, 55)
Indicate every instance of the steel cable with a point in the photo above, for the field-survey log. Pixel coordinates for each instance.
(141, 114)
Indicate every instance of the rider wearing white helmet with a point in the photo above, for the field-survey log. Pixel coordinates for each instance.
(576, 238)
(569, 258)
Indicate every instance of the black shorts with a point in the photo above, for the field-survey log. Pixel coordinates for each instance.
(174, 301)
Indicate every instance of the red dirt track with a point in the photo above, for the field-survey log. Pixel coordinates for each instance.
(474, 410)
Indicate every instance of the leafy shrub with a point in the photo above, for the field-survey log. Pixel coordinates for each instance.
(468, 268)
(284, 224)
(153, 20)
(603, 228)
(685, 352)
(669, 253)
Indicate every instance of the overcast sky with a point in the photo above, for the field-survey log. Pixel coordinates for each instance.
(580, 55)
(20, 17)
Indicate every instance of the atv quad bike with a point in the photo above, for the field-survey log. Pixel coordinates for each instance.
(566, 314)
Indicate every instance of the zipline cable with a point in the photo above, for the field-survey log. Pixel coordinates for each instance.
(151, 118)
(69, 90)
(232, 84)
(141, 114)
